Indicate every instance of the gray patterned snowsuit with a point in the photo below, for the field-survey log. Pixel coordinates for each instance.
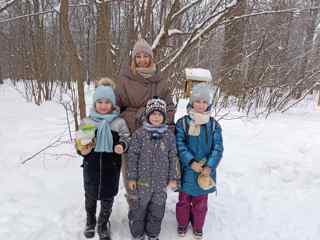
(152, 163)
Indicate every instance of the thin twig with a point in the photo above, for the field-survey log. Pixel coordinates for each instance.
(42, 150)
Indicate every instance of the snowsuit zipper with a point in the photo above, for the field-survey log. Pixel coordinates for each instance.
(152, 163)
(100, 174)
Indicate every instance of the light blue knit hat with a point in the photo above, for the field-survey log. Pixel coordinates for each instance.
(104, 92)
(201, 91)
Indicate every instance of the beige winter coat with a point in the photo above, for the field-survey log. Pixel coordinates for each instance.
(133, 92)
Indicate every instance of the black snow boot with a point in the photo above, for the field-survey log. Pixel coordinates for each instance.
(153, 238)
(90, 205)
(104, 231)
(103, 221)
(89, 230)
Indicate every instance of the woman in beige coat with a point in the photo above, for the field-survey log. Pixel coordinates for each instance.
(139, 82)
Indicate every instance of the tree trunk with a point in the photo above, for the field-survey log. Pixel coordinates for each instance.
(76, 67)
(308, 44)
(104, 64)
(231, 74)
(129, 34)
(146, 31)
(163, 11)
(1, 81)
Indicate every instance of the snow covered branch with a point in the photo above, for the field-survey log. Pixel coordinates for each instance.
(200, 30)
(184, 9)
(291, 10)
(4, 4)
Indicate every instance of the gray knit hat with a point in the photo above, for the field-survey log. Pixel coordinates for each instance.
(156, 104)
(141, 46)
(201, 91)
(104, 92)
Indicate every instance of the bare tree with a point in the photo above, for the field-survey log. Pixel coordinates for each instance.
(1, 79)
(74, 61)
(232, 75)
(104, 63)
(262, 53)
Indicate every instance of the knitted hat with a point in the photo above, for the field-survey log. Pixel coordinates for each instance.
(104, 92)
(141, 46)
(156, 104)
(201, 91)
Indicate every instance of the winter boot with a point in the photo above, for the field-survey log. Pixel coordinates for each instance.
(153, 238)
(138, 238)
(89, 230)
(182, 231)
(103, 221)
(90, 205)
(197, 235)
(104, 231)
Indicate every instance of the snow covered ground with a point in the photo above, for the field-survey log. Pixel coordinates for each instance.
(268, 180)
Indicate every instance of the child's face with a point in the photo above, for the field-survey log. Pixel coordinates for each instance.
(200, 106)
(156, 118)
(104, 106)
(142, 60)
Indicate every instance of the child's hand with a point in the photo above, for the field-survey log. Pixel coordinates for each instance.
(172, 184)
(86, 149)
(118, 149)
(132, 184)
(197, 167)
(206, 171)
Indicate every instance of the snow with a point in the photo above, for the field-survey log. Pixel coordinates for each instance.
(268, 181)
(171, 32)
(57, 7)
(198, 74)
(157, 39)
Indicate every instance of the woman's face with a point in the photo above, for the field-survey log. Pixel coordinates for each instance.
(200, 106)
(142, 60)
(156, 118)
(104, 106)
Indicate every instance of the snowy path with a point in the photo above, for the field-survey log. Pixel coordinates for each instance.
(269, 179)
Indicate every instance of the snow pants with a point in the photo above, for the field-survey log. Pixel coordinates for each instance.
(146, 219)
(192, 209)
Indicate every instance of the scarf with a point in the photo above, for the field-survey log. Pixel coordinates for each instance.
(156, 131)
(147, 72)
(197, 119)
(104, 140)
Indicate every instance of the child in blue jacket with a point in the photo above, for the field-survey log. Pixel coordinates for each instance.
(200, 147)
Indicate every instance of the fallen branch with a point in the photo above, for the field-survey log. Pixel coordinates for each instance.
(55, 143)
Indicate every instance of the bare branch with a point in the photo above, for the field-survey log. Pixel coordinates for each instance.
(53, 144)
(38, 13)
(315, 85)
(198, 32)
(6, 4)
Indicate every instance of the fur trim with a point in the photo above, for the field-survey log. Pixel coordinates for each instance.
(106, 82)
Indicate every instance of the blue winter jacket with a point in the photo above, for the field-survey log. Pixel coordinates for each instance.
(207, 145)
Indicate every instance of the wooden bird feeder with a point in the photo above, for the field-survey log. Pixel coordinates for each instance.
(195, 76)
